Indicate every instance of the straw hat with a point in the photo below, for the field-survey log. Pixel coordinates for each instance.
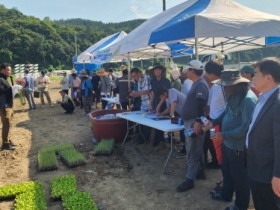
(73, 71)
(123, 67)
(101, 72)
(83, 73)
(117, 74)
(231, 77)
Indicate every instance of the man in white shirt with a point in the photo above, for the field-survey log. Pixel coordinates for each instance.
(187, 84)
(43, 82)
(65, 83)
(28, 90)
(216, 105)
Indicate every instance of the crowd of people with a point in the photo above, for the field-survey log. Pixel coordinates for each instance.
(227, 113)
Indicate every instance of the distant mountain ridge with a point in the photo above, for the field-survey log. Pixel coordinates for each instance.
(108, 28)
(51, 44)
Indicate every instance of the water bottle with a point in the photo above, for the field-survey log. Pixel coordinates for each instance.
(166, 137)
(212, 131)
(190, 133)
(179, 121)
(204, 120)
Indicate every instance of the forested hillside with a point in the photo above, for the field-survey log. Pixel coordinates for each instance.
(26, 39)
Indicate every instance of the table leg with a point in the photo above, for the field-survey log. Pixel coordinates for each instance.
(169, 155)
(127, 132)
(141, 133)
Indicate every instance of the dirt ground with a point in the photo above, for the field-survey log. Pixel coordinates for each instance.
(130, 179)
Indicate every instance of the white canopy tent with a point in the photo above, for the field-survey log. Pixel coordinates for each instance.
(206, 26)
(90, 55)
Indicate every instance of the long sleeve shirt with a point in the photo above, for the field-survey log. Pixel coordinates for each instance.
(235, 120)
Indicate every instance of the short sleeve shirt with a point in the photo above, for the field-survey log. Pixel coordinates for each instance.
(177, 97)
(144, 84)
(157, 83)
(199, 90)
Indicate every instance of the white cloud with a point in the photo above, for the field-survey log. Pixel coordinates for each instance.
(145, 8)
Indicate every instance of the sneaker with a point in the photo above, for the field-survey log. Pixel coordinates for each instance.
(12, 144)
(68, 112)
(181, 153)
(156, 142)
(213, 165)
(139, 140)
(232, 207)
(218, 197)
(185, 186)
(218, 188)
(201, 175)
(8, 146)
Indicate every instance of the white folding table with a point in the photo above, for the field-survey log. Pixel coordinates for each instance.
(151, 120)
(113, 100)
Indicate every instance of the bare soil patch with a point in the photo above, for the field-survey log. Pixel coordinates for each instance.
(130, 179)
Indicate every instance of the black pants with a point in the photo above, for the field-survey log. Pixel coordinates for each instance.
(124, 105)
(68, 108)
(159, 136)
(208, 144)
(235, 177)
(263, 196)
(103, 102)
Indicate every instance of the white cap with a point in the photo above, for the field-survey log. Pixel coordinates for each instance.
(193, 64)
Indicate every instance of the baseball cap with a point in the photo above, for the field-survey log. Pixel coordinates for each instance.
(247, 69)
(194, 64)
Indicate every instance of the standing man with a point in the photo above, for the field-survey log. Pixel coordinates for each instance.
(105, 86)
(159, 79)
(28, 90)
(6, 106)
(248, 72)
(43, 82)
(263, 137)
(65, 83)
(143, 91)
(194, 106)
(122, 85)
(216, 106)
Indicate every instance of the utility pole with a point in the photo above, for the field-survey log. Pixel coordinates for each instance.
(164, 5)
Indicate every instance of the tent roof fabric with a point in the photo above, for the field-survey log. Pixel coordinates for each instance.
(214, 25)
(86, 56)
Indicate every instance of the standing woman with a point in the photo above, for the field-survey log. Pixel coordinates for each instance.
(86, 91)
(234, 120)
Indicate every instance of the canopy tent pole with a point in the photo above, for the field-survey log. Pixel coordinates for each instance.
(196, 48)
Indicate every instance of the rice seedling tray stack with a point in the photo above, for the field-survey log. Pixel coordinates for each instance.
(47, 160)
(28, 195)
(78, 200)
(63, 185)
(104, 147)
(72, 157)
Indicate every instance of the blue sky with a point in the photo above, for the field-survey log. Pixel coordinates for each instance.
(111, 10)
